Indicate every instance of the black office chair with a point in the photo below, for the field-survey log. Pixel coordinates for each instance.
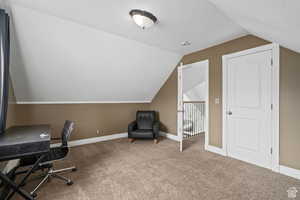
(146, 126)
(56, 153)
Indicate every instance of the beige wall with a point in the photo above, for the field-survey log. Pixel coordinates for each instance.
(165, 102)
(114, 118)
(108, 118)
(289, 108)
(166, 99)
(11, 115)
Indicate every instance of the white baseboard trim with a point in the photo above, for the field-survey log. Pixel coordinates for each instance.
(216, 150)
(79, 102)
(109, 137)
(295, 173)
(169, 136)
(94, 140)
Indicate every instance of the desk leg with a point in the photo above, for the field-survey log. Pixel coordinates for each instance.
(17, 189)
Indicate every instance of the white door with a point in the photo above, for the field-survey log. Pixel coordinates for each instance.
(248, 107)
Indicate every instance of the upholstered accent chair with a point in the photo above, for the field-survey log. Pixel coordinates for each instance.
(146, 126)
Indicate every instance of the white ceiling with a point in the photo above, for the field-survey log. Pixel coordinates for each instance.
(197, 21)
(193, 75)
(194, 81)
(91, 51)
(63, 61)
(274, 20)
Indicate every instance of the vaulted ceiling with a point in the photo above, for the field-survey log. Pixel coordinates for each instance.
(62, 61)
(274, 20)
(197, 21)
(91, 51)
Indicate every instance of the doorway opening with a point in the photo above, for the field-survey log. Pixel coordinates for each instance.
(193, 104)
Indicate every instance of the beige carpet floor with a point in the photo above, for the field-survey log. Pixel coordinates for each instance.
(119, 170)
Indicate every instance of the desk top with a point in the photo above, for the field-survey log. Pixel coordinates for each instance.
(21, 134)
(20, 141)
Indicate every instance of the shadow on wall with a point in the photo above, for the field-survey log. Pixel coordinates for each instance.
(163, 127)
(11, 109)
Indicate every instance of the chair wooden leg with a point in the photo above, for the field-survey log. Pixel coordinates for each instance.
(155, 141)
(131, 140)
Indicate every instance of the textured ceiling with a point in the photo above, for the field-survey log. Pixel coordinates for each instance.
(62, 61)
(197, 21)
(91, 51)
(274, 20)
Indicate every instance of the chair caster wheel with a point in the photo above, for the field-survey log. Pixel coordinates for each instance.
(70, 183)
(74, 170)
(34, 195)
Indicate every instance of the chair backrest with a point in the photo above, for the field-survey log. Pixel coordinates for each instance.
(145, 119)
(66, 132)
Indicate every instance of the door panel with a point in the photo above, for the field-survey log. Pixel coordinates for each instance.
(247, 85)
(249, 101)
(250, 139)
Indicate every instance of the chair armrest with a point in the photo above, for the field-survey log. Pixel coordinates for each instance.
(131, 127)
(156, 129)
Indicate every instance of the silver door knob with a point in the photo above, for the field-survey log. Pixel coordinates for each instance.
(229, 113)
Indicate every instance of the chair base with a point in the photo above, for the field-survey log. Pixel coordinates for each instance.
(131, 140)
(54, 174)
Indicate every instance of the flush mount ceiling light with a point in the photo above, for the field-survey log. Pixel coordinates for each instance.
(186, 43)
(143, 18)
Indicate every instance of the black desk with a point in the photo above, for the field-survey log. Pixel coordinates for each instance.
(21, 141)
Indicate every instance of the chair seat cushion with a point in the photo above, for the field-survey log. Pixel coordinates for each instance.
(142, 133)
(55, 153)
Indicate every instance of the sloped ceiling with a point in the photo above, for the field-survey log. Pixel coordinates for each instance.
(274, 20)
(65, 61)
(197, 21)
(193, 75)
(91, 51)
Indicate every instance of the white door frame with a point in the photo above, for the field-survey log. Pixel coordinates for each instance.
(180, 104)
(275, 99)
